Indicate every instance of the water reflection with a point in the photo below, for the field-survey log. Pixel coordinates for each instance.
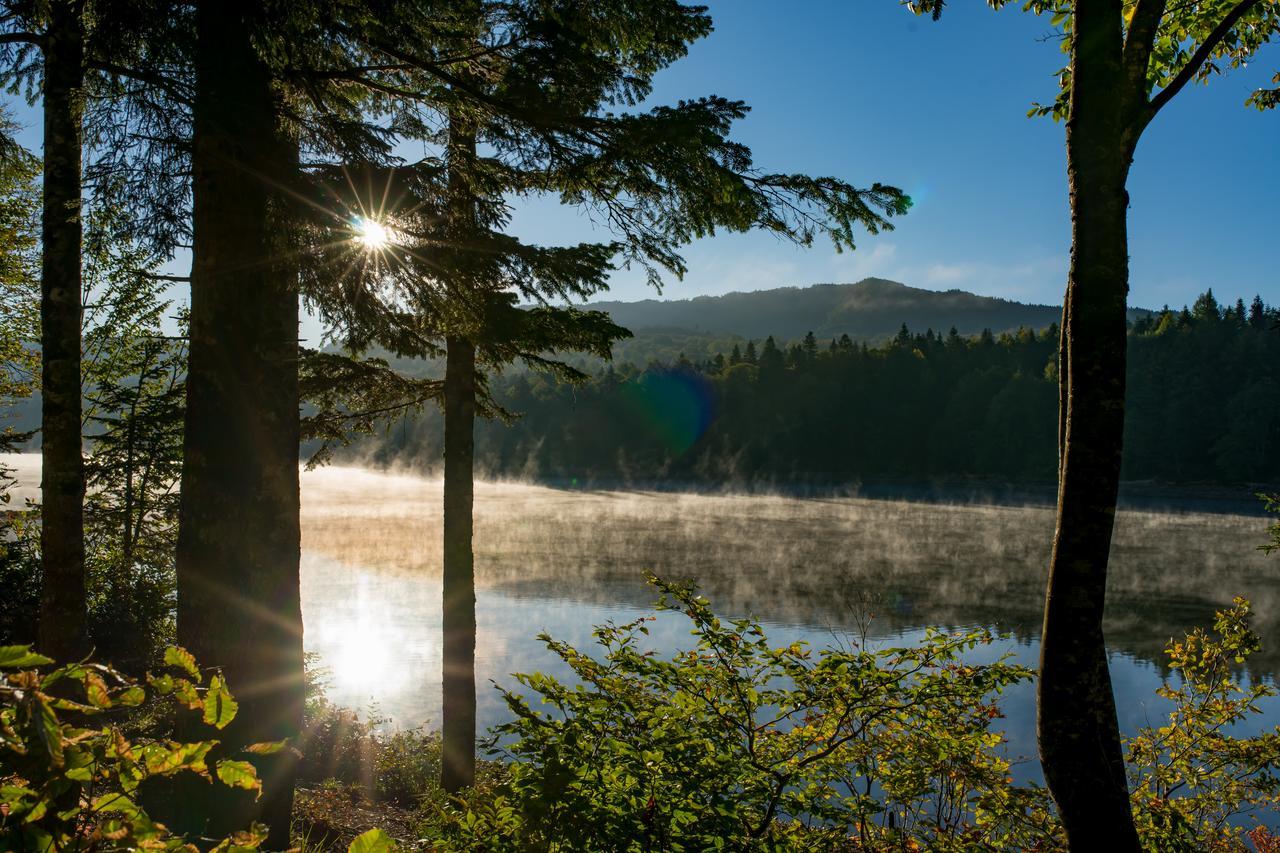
(563, 561)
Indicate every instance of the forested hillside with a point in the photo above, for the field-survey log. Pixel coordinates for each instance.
(1204, 406)
(869, 310)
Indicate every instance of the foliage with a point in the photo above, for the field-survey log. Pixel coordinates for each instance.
(134, 373)
(1272, 503)
(19, 373)
(1191, 779)
(19, 283)
(69, 770)
(400, 767)
(1177, 43)
(739, 745)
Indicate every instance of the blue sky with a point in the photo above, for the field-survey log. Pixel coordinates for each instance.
(863, 90)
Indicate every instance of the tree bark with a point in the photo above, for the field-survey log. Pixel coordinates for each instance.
(1077, 726)
(458, 738)
(62, 633)
(238, 543)
(458, 678)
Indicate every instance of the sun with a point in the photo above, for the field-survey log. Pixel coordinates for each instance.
(372, 234)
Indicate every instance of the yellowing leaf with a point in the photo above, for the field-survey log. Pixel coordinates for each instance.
(239, 774)
(95, 691)
(269, 747)
(161, 759)
(182, 659)
(219, 708)
(185, 692)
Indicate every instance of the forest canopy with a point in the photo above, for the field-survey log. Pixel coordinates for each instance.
(926, 404)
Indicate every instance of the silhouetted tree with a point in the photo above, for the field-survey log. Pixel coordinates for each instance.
(1127, 61)
(238, 542)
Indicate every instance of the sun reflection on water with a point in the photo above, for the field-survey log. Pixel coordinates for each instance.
(362, 642)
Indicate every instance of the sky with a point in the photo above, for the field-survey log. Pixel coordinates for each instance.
(865, 91)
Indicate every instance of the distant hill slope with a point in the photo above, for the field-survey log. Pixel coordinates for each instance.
(870, 310)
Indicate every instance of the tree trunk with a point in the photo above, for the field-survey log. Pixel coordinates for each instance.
(458, 679)
(1077, 727)
(458, 738)
(63, 632)
(238, 541)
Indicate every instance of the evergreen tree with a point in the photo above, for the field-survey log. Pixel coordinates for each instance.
(238, 541)
(55, 34)
(1257, 313)
(533, 86)
(771, 358)
(1206, 308)
(810, 346)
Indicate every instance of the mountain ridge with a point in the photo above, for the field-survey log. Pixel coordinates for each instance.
(868, 310)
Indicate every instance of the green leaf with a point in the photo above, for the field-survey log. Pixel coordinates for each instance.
(162, 760)
(219, 707)
(116, 803)
(12, 657)
(49, 731)
(373, 841)
(239, 774)
(182, 659)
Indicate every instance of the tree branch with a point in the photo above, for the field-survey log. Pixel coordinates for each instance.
(1137, 50)
(141, 76)
(1199, 58)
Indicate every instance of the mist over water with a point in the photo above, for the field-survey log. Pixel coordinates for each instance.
(809, 568)
(814, 569)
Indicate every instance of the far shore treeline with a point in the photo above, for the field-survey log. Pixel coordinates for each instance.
(926, 404)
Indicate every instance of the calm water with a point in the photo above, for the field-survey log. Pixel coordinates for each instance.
(811, 569)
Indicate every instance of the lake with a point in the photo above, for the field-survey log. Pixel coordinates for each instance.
(814, 569)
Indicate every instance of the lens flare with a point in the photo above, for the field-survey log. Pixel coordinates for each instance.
(372, 234)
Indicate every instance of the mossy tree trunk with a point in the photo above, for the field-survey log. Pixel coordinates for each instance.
(62, 631)
(238, 543)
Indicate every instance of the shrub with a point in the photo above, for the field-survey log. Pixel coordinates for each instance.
(740, 745)
(69, 772)
(1191, 779)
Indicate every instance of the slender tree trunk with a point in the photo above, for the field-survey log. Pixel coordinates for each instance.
(63, 632)
(458, 761)
(238, 541)
(1077, 726)
(458, 682)
(127, 536)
